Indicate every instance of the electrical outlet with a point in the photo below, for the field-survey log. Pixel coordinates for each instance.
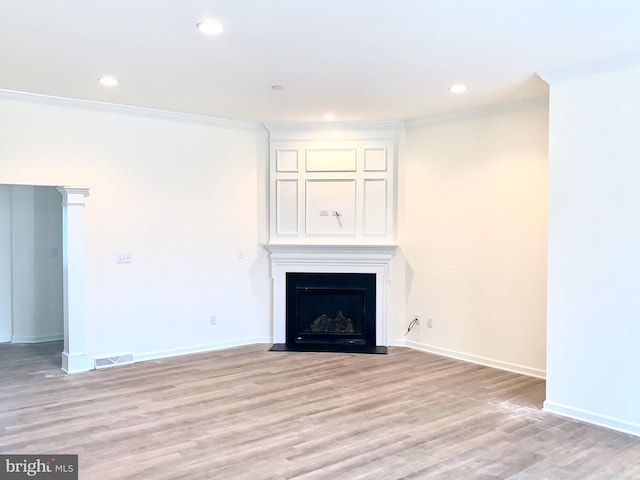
(429, 322)
(124, 258)
(212, 320)
(336, 213)
(324, 213)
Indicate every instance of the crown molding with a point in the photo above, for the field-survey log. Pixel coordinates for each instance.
(125, 109)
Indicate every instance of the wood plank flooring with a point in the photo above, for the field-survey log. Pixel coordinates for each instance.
(247, 413)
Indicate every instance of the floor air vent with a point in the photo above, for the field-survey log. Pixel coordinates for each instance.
(106, 362)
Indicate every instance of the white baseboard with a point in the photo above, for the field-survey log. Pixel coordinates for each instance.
(5, 338)
(592, 418)
(488, 362)
(141, 357)
(36, 338)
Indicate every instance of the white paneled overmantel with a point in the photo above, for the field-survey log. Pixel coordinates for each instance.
(333, 183)
(288, 258)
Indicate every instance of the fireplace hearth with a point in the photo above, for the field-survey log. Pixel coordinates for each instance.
(330, 312)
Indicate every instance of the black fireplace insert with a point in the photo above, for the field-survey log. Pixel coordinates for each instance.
(331, 312)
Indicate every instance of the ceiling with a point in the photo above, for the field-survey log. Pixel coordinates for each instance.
(359, 59)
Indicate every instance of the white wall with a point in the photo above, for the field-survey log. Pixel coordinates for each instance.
(47, 288)
(185, 197)
(23, 263)
(472, 228)
(181, 194)
(594, 249)
(5, 263)
(31, 273)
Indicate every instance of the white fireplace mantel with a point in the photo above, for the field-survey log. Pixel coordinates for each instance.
(309, 258)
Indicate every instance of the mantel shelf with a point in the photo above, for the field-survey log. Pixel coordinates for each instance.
(317, 249)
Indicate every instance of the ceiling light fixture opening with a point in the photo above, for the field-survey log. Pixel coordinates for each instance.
(108, 81)
(329, 116)
(210, 27)
(458, 89)
(277, 87)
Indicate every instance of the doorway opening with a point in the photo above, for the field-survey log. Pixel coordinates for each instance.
(41, 264)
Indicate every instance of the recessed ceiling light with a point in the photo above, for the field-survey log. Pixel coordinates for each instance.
(277, 87)
(458, 88)
(210, 27)
(329, 116)
(108, 81)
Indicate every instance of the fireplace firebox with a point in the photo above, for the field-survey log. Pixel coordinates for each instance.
(331, 312)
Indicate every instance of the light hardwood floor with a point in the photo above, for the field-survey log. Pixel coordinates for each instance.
(246, 413)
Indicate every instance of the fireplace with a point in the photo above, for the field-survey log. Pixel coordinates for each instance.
(330, 298)
(332, 310)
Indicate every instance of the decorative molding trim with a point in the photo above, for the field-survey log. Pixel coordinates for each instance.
(487, 362)
(174, 352)
(73, 196)
(592, 418)
(36, 338)
(84, 191)
(332, 176)
(125, 109)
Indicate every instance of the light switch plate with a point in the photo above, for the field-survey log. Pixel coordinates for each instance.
(124, 258)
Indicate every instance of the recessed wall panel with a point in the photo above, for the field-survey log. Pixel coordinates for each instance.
(331, 160)
(375, 207)
(330, 207)
(287, 207)
(287, 160)
(375, 159)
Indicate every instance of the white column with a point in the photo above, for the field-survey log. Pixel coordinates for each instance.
(74, 357)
